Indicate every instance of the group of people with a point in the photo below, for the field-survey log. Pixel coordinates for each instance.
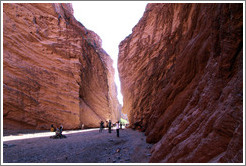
(109, 125)
(58, 131)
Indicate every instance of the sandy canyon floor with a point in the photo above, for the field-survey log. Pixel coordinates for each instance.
(80, 146)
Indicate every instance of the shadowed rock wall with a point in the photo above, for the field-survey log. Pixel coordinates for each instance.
(181, 73)
(54, 70)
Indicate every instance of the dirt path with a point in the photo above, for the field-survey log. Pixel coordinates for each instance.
(81, 146)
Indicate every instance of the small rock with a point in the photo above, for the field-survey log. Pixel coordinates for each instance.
(118, 158)
(118, 150)
(114, 161)
(148, 154)
(11, 145)
(8, 145)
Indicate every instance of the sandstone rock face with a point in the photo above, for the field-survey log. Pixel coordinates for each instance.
(54, 70)
(181, 74)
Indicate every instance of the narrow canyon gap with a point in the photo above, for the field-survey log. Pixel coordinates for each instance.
(54, 70)
(181, 73)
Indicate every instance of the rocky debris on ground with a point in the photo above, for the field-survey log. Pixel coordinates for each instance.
(8, 145)
(81, 147)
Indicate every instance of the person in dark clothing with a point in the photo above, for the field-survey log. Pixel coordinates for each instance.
(58, 134)
(101, 126)
(61, 129)
(109, 126)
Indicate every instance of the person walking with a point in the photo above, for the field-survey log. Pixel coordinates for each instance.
(109, 126)
(82, 126)
(120, 125)
(118, 128)
(101, 126)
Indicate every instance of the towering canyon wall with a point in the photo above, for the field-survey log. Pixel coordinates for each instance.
(54, 70)
(181, 73)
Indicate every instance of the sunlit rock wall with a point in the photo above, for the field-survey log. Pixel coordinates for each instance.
(181, 74)
(54, 70)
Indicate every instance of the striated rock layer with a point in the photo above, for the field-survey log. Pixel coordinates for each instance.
(54, 70)
(181, 74)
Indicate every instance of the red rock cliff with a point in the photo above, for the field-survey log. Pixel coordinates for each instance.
(181, 74)
(54, 70)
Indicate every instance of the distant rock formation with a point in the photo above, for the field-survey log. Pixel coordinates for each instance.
(54, 70)
(181, 73)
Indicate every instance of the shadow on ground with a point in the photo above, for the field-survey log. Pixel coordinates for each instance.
(80, 146)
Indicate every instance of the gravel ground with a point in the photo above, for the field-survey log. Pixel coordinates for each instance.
(80, 146)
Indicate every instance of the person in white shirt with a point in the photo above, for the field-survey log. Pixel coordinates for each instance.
(118, 128)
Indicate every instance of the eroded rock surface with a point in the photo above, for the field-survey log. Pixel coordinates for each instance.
(181, 74)
(54, 70)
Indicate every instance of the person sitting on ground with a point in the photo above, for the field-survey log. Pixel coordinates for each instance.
(58, 134)
(52, 128)
(61, 128)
